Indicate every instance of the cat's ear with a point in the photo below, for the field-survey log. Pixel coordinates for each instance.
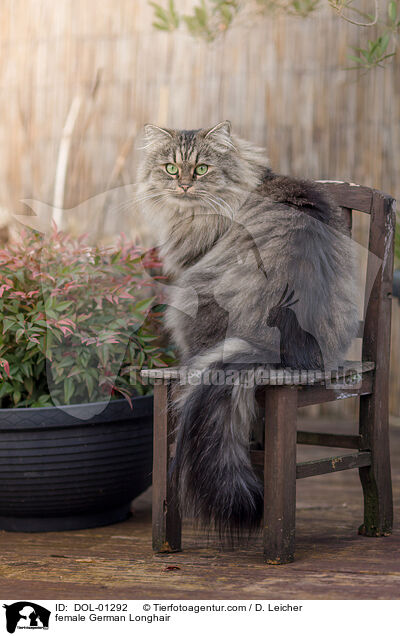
(155, 134)
(221, 136)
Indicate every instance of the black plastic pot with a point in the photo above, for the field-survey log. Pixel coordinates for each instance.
(70, 468)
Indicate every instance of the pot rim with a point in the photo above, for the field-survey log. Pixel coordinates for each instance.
(48, 417)
(38, 409)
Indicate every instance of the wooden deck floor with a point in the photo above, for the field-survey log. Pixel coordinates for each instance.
(116, 562)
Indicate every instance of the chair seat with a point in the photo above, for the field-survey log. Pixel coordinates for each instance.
(350, 371)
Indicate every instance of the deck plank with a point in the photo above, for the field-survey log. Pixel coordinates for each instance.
(116, 562)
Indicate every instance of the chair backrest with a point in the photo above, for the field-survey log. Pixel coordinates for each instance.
(378, 296)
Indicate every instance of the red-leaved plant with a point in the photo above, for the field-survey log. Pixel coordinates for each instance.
(77, 323)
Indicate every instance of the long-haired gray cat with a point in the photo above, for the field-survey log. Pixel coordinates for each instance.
(273, 271)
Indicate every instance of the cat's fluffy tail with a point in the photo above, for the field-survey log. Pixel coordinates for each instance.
(217, 484)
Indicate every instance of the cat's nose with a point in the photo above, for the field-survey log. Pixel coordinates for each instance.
(185, 186)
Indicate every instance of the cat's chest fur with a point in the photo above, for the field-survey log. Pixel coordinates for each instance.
(191, 234)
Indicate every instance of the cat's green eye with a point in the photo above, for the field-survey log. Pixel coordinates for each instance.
(201, 169)
(171, 168)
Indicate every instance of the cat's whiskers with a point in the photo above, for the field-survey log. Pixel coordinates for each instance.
(217, 199)
(137, 199)
(124, 204)
(224, 206)
(209, 202)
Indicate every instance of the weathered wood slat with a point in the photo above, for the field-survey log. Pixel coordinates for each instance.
(309, 395)
(321, 466)
(350, 195)
(348, 217)
(315, 439)
(166, 518)
(374, 408)
(328, 439)
(332, 464)
(280, 475)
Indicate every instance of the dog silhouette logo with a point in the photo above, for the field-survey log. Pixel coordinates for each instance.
(26, 615)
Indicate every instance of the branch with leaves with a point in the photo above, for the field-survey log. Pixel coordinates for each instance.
(210, 18)
(373, 55)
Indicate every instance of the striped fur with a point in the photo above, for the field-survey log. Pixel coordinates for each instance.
(239, 239)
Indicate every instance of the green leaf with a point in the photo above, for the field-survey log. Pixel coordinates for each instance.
(51, 314)
(68, 389)
(5, 388)
(42, 323)
(226, 14)
(64, 305)
(7, 323)
(141, 359)
(392, 11)
(166, 20)
(43, 400)
(26, 368)
(161, 27)
(201, 15)
(28, 384)
(144, 304)
(146, 338)
(115, 257)
(386, 56)
(19, 333)
(31, 345)
(384, 41)
(354, 58)
(159, 11)
(90, 384)
(174, 14)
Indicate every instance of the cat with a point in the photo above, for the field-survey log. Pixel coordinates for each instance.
(240, 236)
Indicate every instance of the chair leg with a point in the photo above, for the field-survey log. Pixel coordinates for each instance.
(166, 518)
(376, 479)
(280, 474)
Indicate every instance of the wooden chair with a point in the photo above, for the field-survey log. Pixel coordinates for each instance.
(371, 446)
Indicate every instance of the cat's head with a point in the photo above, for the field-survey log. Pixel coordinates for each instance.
(206, 168)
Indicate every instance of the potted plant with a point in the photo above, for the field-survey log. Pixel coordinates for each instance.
(76, 326)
